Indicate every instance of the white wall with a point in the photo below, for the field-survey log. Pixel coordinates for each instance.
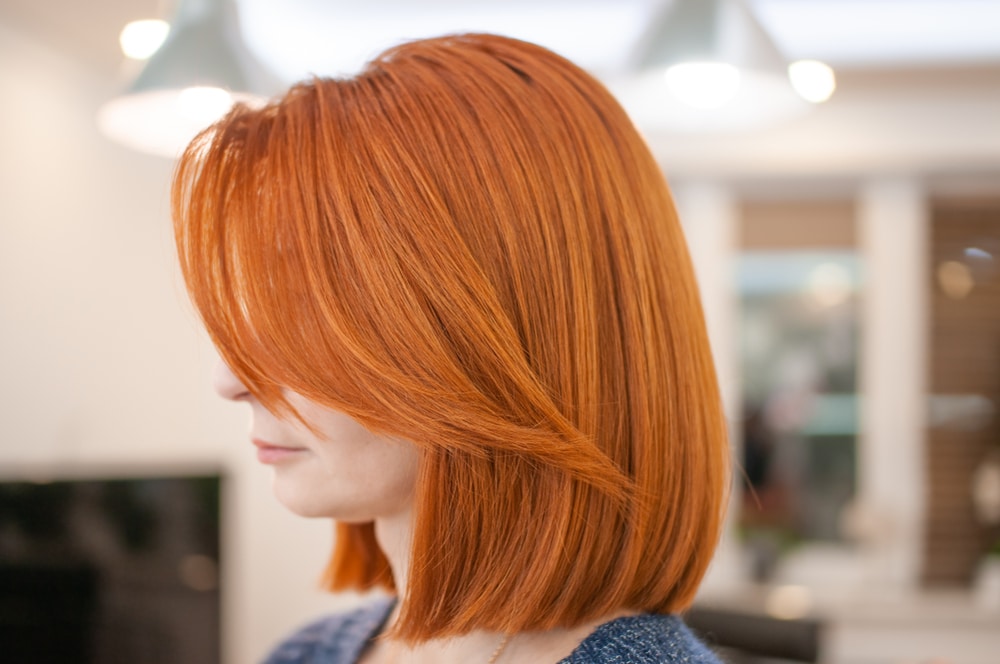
(103, 369)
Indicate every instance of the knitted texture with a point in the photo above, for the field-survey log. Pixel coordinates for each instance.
(642, 639)
(337, 639)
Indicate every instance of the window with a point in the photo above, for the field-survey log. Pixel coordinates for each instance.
(798, 282)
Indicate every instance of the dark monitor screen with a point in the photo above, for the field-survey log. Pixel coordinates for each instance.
(102, 571)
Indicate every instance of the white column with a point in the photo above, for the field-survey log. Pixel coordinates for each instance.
(709, 214)
(893, 224)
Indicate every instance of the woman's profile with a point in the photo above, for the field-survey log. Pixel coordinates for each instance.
(455, 294)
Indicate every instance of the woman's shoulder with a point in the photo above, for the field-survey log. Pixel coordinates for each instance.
(642, 639)
(335, 639)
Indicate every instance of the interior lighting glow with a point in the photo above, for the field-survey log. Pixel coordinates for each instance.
(704, 85)
(789, 602)
(159, 122)
(203, 105)
(813, 80)
(976, 252)
(986, 491)
(198, 572)
(141, 39)
(955, 279)
(829, 284)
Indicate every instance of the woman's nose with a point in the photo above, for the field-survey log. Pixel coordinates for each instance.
(227, 385)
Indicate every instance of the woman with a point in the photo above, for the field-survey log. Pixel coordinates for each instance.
(455, 294)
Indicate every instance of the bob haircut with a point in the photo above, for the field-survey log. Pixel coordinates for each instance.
(468, 245)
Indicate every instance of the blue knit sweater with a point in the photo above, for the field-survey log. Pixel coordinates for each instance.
(642, 639)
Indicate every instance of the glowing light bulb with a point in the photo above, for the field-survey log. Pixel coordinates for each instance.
(789, 602)
(140, 39)
(203, 105)
(955, 279)
(813, 80)
(704, 85)
(829, 284)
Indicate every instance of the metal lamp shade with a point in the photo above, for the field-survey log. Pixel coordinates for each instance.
(709, 31)
(203, 50)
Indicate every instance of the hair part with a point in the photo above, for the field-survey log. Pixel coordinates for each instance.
(469, 246)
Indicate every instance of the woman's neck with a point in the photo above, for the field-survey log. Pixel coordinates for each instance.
(395, 535)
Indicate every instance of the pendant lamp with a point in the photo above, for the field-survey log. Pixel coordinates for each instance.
(193, 79)
(708, 65)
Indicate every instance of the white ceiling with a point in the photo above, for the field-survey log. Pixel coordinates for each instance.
(298, 37)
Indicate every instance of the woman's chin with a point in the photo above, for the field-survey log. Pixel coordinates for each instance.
(302, 503)
(307, 511)
(312, 506)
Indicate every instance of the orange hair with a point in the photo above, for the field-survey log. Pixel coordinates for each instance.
(469, 246)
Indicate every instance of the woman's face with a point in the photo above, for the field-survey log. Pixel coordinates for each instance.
(344, 471)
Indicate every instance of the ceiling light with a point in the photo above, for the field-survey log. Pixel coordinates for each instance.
(812, 79)
(193, 79)
(723, 71)
(955, 279)
(203, 104)
(829, 284)
(704, 84)
(140, 39)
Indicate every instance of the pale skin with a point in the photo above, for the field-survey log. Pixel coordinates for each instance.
(348, 473)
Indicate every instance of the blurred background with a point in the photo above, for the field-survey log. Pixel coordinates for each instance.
(846, 233)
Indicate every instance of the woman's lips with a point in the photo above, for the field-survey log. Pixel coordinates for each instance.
(273, 454)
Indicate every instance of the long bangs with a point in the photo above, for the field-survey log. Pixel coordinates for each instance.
(242, 234)
(469, 246)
